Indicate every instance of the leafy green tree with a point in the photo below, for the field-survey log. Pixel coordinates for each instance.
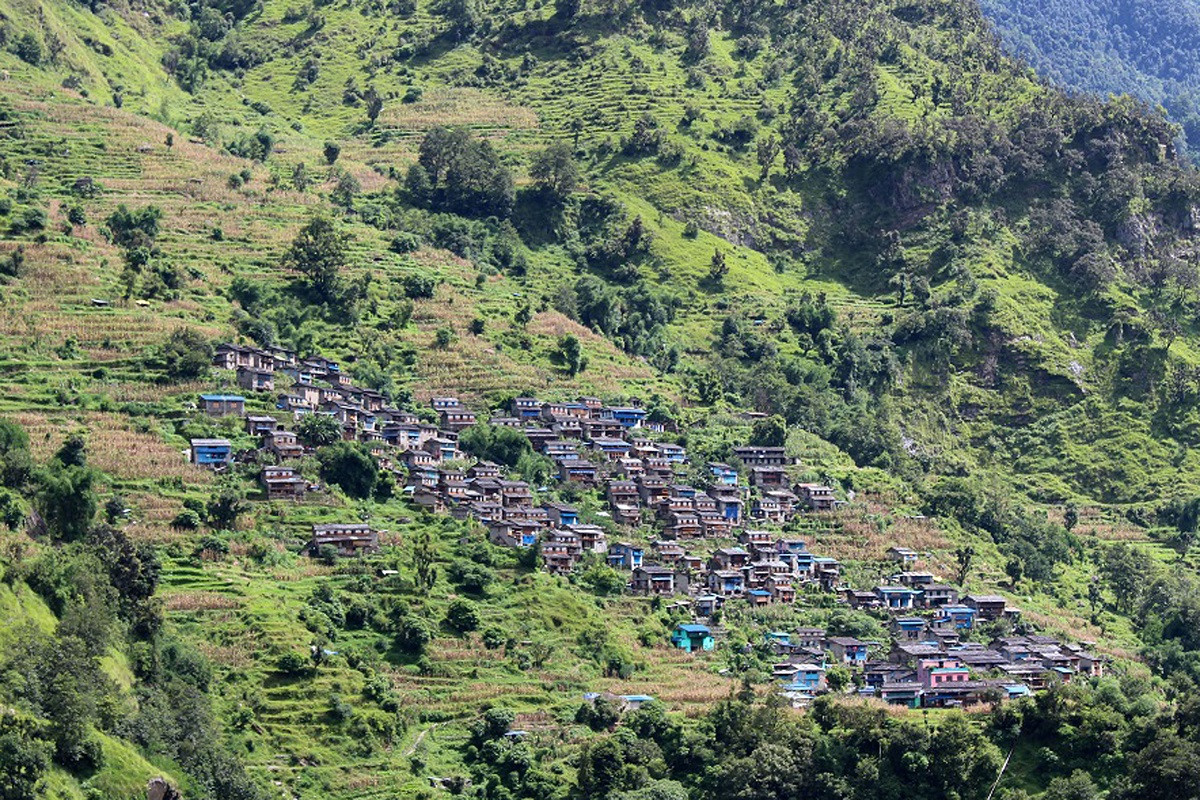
(411, 633)
(769, 432)
(459, 173)
(374, 104)
(133, 229)
(16, 464)
(655, 790)
(603, 580)
(601, 768)
(424, 560)
(12, 512)
(1014, 568)
(1076, 786)
(464, 16)
(554, 171)
(319, 253)
(318, 430)
(567, 9)
(301, 177)
(349, 466)
(570, 352)
(186, 355)
(471, 577)
(499, 444)
(66, 500)
(837, 678)
(24, 759)
(462, 616)
(73, 452)
(768, 148)
(1128, 572)
(28, 48)
(331, 151)
(292, 663)
(536, 469)
(224, 507)
(1095, 595)
(963, 556)
(1071, 516)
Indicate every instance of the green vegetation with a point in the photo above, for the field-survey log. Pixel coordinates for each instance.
(966, 301)
(1147, 50)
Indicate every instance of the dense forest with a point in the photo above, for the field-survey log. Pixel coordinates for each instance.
(1145, 49)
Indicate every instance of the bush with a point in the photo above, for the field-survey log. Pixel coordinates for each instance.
(494, 638)
(186, 520)
(292, 663)
(462, 616)
(406, 243)
(417, 287)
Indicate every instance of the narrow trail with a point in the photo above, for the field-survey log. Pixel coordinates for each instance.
(417, 742)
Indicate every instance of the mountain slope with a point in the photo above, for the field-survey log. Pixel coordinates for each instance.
(970, 298)
(1147, 50)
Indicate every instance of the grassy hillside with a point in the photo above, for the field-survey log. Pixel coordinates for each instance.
(970, 298)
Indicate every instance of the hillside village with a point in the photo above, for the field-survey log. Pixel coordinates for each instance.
(713, 545)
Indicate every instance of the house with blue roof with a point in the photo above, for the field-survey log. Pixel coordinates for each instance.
(909, 628)
(628, 417)
(723, 474)
(800, 677)
(848, 650)
(211, 452)
(632, 702)
(691, 638)
(962, 617)
(759, 597)
(705, 605)
(897, 598)
(624, 555)
(673, 452)
(526, 407)
(221, 405)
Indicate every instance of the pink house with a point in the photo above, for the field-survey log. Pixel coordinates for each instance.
(934, 672)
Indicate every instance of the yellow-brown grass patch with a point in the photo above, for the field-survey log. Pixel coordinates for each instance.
(113, 446)
(201, 601)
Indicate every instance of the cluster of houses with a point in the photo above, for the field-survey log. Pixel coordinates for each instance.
(938, 671)
(608, 448)
(935, 672)
(592, 445)
(928, 661)
(762, 569)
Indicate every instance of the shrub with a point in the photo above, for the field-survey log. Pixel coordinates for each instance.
(462, 616)
(292, 663)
